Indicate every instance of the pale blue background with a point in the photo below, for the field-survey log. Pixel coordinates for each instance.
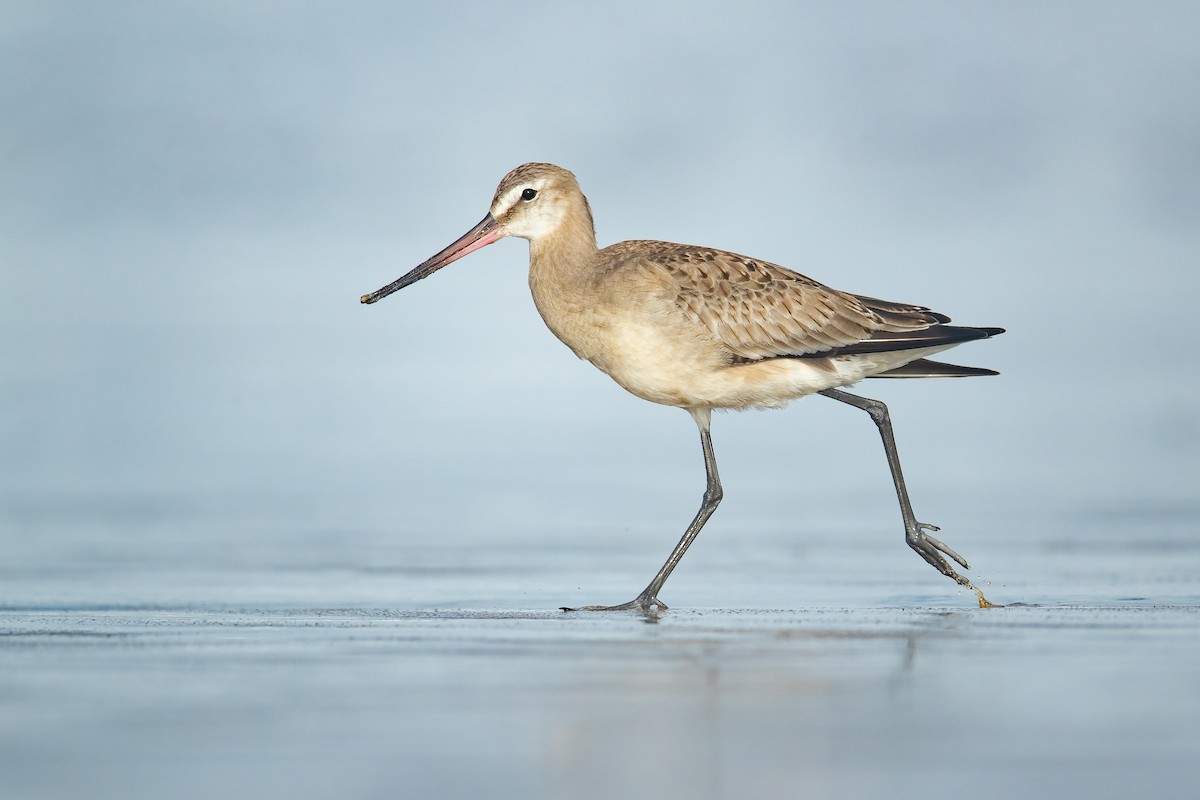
(195, 194)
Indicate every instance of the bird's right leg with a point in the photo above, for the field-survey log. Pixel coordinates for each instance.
(647, 602)
(917, 533)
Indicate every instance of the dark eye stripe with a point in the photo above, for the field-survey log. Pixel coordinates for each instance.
(528, 194)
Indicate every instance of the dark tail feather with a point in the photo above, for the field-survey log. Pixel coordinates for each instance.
(925, 368)
(892, 341)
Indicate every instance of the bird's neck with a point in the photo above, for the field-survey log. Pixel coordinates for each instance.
(564, 261)
(562, 274)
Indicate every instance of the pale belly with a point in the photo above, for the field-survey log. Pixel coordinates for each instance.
(692, 373)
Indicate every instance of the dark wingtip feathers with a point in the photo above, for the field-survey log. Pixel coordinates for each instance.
(888, 341)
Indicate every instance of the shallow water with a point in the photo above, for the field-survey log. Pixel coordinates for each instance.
(446, 670)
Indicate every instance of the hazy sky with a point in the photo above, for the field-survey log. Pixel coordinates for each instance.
(195, 194)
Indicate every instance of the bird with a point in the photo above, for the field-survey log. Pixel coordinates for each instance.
(703, 329)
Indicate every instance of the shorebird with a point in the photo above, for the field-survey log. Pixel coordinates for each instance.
(703, 329)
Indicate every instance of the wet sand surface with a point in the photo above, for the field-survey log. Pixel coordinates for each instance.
(366, 666)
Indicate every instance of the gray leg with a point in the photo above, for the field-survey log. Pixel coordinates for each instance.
(647, 602)
(916, 533)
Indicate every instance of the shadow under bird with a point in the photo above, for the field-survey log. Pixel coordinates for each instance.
(700, 328)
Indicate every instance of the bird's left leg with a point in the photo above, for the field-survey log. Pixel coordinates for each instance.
(916, 533)
(647, 602)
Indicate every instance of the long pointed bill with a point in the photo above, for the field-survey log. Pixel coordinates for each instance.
(483, 234)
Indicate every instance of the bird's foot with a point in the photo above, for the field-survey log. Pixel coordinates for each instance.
(933, 550)
(646, 605)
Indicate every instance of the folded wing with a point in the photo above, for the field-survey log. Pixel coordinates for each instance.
(761, 310)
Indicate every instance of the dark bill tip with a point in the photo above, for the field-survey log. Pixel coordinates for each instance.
(483, 234)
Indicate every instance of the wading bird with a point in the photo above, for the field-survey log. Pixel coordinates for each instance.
(700, 328)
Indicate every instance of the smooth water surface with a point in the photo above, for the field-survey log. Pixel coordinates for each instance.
(851, 670)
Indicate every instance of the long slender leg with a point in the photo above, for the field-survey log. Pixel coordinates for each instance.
(647, 601)
(916, 533)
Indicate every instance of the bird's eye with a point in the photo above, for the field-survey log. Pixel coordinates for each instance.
(528, 194)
